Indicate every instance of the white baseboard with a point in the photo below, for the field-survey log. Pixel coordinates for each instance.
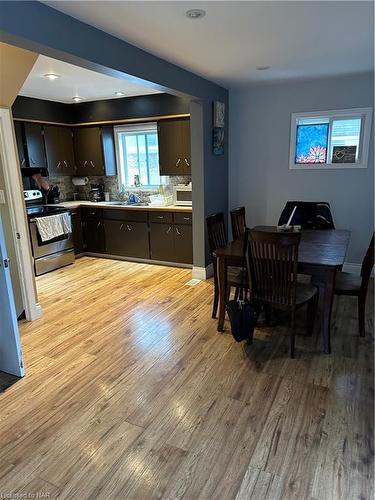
(36, 312)
(202, 273)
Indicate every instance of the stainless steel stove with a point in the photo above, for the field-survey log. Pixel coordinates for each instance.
(51, 254)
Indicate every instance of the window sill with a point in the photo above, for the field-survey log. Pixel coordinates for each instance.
(329, 166)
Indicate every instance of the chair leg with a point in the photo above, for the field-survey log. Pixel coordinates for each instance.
(361, 314)
(237, 293)
(216, 301)
(292, 334)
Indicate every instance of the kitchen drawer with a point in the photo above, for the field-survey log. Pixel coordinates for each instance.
(162, 217)
(183, 218)
(128, 215)
(91, 213)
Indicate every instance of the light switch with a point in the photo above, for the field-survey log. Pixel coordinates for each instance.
(2, 196)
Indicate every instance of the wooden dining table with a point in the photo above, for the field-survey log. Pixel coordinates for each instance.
(321, 254)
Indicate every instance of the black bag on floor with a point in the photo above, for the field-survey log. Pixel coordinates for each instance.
(243, 317)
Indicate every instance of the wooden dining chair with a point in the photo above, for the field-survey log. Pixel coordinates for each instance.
(217, 238)
(238, 220)
(273, 263)
(308, 215)
(356, 286)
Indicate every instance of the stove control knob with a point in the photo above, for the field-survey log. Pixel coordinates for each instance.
(26, 194)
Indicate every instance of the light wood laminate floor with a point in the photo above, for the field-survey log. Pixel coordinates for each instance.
(131, 393)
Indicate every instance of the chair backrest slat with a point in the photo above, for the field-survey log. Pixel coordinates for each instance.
(273, 262)
(217, 235)
(238, 220)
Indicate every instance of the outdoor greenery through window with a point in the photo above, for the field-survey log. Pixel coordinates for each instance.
(330, 139)
(138, 155)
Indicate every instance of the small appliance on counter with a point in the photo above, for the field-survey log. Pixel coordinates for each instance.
(97, 192)
(183, 195)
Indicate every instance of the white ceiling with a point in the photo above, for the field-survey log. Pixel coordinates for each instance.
(75, 81)
(298, 39)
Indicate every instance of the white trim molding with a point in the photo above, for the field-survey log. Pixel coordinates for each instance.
(202, 273)
(14, 195)
(365, 114)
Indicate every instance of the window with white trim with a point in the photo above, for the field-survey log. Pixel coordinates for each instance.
(137, 153)
(330, 139)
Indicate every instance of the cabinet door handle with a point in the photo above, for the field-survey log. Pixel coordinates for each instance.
(122, 225)
(177, 231)
(178, 162)
(66, 165)
(58, 165)
(128, 227)
(84, 163)
(169, 230)
(160, 216)
(186, 218)
(92, 164)
(187, 163)
(23, 162)
(98, 225)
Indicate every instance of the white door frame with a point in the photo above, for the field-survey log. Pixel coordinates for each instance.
(20, 230)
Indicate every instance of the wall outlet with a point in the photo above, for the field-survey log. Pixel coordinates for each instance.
(2, 196)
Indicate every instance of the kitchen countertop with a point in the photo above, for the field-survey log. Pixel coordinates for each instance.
(103, 204)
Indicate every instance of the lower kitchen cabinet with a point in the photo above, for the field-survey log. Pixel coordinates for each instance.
(162, 241)
(127, 238)
(183, 244)
(139, 234)
(93, 236)
(172, 242)
(77, 231)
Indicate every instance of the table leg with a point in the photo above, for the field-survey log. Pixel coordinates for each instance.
(329, 290)
(222, 276)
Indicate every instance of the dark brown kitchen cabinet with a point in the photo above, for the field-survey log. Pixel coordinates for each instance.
(59, 150)
(183, 243)
(21, 146)
(93, 230)
(34, 143)
(77, 231)
(88, 151)
(171, 237)
(127, 238)
(162, 241)
(94, 151)
(174, 147)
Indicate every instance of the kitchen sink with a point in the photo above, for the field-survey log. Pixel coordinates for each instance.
(127, 204)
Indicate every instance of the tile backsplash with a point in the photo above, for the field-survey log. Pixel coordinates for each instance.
(67, 189)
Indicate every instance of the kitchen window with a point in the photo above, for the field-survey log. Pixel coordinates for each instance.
(137, 155)
(330, 139)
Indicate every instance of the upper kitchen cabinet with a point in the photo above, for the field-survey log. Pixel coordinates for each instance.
(59, 150)
(21, 146)
(94, 151)
(174, 147)
(34, 143)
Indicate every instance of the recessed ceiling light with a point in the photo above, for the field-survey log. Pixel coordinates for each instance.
(119, 94)
(262, 68)
(77, 98)
(51, 76)
(195, 13)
